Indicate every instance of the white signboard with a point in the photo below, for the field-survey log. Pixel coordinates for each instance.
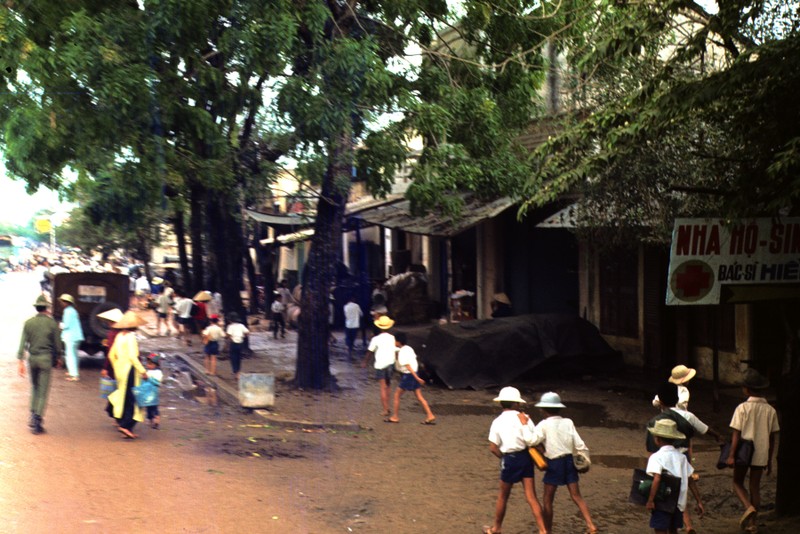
(709, 253)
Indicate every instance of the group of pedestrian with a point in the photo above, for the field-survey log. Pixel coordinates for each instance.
(512, 435)
(672, 431)
(391, 354)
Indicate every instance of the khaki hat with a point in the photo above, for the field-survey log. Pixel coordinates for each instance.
(509, 394)
(682, 374)
(550, 400)
(755, 380)
(666, 428)
(66, 297)
(384, 322)
(158, 280)
(114, 315)
(41, 300)
(129, 320)
(202, 296)
(502, 298)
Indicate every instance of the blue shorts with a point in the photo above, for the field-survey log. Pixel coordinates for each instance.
(561, 471)
(212, 348)
(515, 466)
(408, 382)
(384, 374)
(666, 521)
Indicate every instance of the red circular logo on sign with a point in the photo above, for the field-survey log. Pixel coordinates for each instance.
(692, 280)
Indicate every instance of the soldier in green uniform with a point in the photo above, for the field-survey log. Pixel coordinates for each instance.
(41, 339)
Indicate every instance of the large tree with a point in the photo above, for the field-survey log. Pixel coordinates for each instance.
(156, 95)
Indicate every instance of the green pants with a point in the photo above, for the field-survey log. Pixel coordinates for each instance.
(40, 367)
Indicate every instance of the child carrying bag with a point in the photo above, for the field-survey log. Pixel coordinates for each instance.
(666, 498)
(742, 457)
(146, 393)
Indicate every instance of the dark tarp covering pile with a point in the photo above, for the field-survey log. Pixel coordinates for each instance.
(495, 352)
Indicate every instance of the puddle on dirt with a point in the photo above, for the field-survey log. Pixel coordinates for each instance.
(269, 448)
(619, 461)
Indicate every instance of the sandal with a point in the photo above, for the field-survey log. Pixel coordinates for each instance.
(429, 421)
(390, 420)
(746, 517)
(490, 530)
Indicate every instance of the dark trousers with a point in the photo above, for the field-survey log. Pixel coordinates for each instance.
(235, 356)
(278, 321)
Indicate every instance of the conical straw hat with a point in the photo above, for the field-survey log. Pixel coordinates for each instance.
(202, 296)
(129, 320)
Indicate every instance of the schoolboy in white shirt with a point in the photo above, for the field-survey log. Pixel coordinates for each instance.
(667, 459)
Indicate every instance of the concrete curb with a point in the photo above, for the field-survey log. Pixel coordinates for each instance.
(228, 395)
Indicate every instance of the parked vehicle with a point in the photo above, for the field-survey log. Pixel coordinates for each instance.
(94, 293)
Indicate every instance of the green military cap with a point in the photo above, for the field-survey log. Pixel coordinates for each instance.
(41, 301)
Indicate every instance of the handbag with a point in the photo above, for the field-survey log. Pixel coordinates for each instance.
(538, 459)
(742, 457)
(666, 498)
(107, 385)
(582, 461)
(146, 394)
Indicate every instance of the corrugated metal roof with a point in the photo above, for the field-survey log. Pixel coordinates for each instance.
(398, 216)
(284, 219)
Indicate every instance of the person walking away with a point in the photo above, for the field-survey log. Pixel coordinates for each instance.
(142, 291)
(757, 421)
(510, 435)
(211, 338)
(200, 311)
(71, 335)
(689, 425)
(109, 318)
(561, 440)
(352, 322)
(163, 307)
(667, 460)
(155, 376)
(680, 376)
(183, 311)
(278, 309)
(408, 366)
(41, 340)
(128, 370)
(236, 332)
(382, 348)
(286, 298)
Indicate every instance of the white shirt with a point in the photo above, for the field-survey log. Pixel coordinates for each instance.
(214, 332)
(384, 348)
(699, 426)
(683, 398)
(352, 315)
(237, 331)
(756, 420)
(156, 375)
(407, 356)
(509, 434)
(142, 284)
(559, 437)
(277, 306)
(184, 308)
(668, 459)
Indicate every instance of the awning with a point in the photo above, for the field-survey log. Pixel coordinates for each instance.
(287, 219)
(285, 239)
(398, 216)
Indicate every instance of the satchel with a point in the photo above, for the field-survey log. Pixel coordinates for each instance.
(538, 459)
(107, 385)
(666, 498)
(742, 457)
(146, 394)
(582, 461)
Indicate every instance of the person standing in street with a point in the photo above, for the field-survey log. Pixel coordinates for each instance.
(352, 322)
(237, 333)
(383, 349)
(42, 342)
(128, 370)
(71, 335)
(278, 321)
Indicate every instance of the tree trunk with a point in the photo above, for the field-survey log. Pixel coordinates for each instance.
(251, 277)
(197, 281)
(180, 235)
(227, 244)
(313, 360)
